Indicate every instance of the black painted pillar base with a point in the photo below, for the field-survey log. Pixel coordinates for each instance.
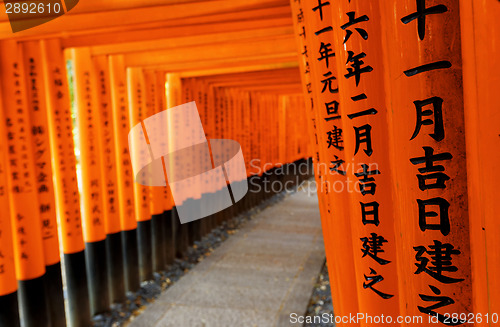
(130, 260)
(157, 242)
(169, 240)
(97, 276)
(9, 313)
(32, 298)
(116, 277)
(145, 250)
(181, 235)
(76, 288)
(53, 280)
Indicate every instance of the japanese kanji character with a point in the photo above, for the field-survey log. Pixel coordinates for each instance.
(420, 15)
(352, 21)
(335, 138)
(442, 301)
(336, 165)
(441, 261)
(372, 246)
(444, 221)
(327, 83)
(367, 210)
(431, 171)
(325, 51)
(320, 7)
(366, 184)
(356, 63)
(437, 112)
(363, 135)
(374, 279)
(332, 108)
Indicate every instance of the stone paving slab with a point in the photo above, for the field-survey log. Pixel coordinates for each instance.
(257, 277)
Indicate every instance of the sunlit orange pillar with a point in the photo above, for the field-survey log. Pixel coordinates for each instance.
(480, 48)
(358, 44)
(110, 181)
(138, 112)
(189, 230)
(156, 192)
(423, 70)
(125, 174)
(21, 188)
(9, 313)
(65, 182)
(174, 98)
(168, 230)
(89, 136)
(318, 155)
(37, 108)
(337, 187)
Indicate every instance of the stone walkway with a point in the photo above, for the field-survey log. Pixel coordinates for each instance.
(257, 277)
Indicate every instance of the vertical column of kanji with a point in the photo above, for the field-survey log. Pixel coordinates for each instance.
(185, 92)
(9, 313)
(174, 94)
(218, 118)
(200, 98)
(37, 108)
(231, 123)
(25, 219)
(157, 192)
(305, 71)
(358, 45)
(480, 35)
(137, 112)
(65, 182)
(194, 227)
(336, 185)
(245, 113)
(125, 174)
(285, 129)
(167, 237)
(304, 154)
(261, 126)
(209, 125)
(237, 121)
(425, 110)
(88, 122)
(109, 182)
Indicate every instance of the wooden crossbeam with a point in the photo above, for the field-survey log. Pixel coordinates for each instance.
(194, 40)
(264, 48)
(76, 20)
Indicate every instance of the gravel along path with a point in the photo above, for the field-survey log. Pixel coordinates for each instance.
(321, 301)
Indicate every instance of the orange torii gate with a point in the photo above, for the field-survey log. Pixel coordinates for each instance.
(402, 90)
(393, 91)
(118, 73)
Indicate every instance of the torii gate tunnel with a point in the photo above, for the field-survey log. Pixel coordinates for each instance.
(392, 101)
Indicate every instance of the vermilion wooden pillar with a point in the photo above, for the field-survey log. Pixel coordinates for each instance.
(426, 127)
(358, 53)
(321, 67)
(25, 219)
(66, 184)
(138, 112)
(156, 192)
(110, 181)
(90, 135)
(37, 108)
(168, 232)
(480, 49)
(9, 313)
(125, 174)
